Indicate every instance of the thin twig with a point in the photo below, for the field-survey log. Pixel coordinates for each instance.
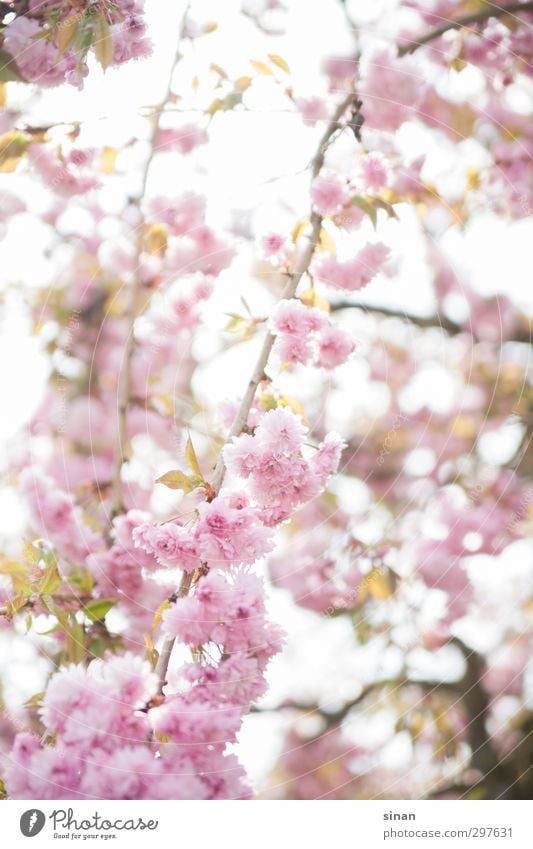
(336, 717)
(164, 658)
(132, 310)
(522, 333)
(301, 267)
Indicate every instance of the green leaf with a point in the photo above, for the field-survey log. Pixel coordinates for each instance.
(82, 580)
(96, 647)
(8, 69)
(76, 641)
(31, 553)
(97, 610)
(50, 582)
(366, 207)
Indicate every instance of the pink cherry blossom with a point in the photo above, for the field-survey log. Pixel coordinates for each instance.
(329, 194)
(183, 139)
(356, 273)
(334, 347)
(376, 173)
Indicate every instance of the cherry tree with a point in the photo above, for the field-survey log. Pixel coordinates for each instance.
(374, 470)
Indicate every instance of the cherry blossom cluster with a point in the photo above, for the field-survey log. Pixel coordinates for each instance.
(106, 740)
(306, 334)
(55, 513)
(120, 574)
(271, 461)
(50, 42)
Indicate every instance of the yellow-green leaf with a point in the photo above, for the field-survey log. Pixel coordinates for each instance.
(363, 204)
(103, 44)
(191, 458)
(280, 62)
(242, 83)
(326, 243)
(66, 31)
(11, 567)
(379, 203)
(108, 158)
(261, 68)
(8, 69)
(152, 655)
(156, 240)
(13, 605)
(378, 584)
(311, 299)
(176, 480)
(218, 70)
(298, 229)
(35, 700)
(51, 580)
(159, 616)
(31, 553)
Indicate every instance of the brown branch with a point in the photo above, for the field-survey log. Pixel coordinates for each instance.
(490, 10)
(301, 267)
(522, 333)
(164, 658)
(439, 321)
(477, 705)
(132, 309)
(336, 717)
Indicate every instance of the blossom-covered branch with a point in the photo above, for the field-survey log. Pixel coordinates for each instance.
(301, 267)
(489, 10)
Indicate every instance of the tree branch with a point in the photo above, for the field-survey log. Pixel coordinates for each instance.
(477, 704)
(490, 10)
(132, 309)
(522, 333)
(164, 658)
(336, 717)
(301, 267)
(390, 312)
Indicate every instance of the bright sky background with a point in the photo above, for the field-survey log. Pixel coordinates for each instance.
(248, 151)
